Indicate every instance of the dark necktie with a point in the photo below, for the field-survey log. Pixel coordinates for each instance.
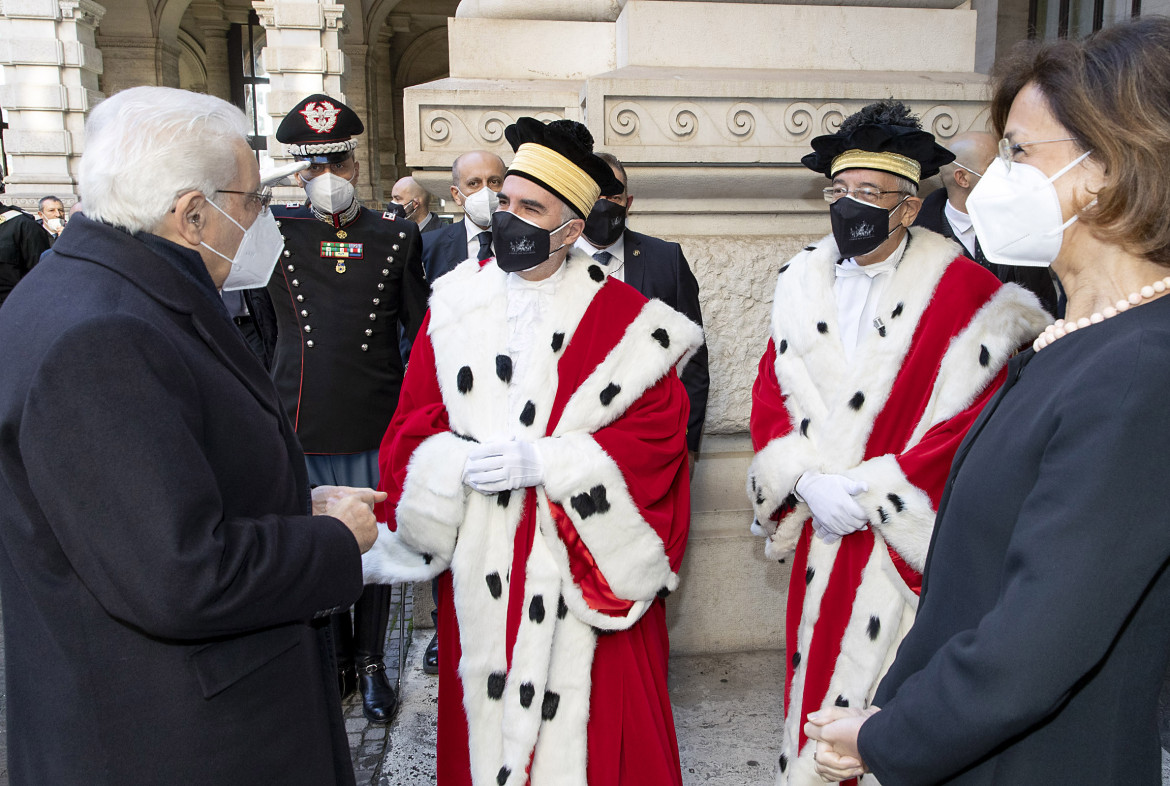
(603, 257)
(485, 245)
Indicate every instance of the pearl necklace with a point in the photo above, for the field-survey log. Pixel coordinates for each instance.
(1062, 328)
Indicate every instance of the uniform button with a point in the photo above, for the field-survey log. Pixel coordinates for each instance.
(402, 235)
(304, 312)
(300, 298)
(278, 223)
(377, 300)
(381, 287)
(296, 283)
(369, 331)
(291, 268)
(287, 254)
(308, 328)
(365, 347)
(309, 343)
(395, 246)
(373, 317)
(389, 259)
(385, 271)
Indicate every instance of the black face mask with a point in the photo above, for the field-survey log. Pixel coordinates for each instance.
(859, 227)
(605, 223)
(520, 244)
(398, 210)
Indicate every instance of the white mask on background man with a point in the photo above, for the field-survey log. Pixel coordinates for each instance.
(480, 206)
(256, 257)
(330, 193)
(55, 224)
(1016, 214)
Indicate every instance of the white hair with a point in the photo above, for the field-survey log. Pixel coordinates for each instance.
(147, 146)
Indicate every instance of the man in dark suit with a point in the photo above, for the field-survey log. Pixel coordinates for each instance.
(657, 269)
(415, 202)
(163, 564)
(945, 211)
(476, 178)
(21, 244)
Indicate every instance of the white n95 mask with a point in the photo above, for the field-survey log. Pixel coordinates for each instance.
(480, 206)
(330, 193)
(256, 257)
(1016, 214)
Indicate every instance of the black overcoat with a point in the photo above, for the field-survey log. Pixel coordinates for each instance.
(1043, 629)
(158, 569)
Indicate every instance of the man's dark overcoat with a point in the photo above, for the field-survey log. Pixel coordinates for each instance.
(158, 569)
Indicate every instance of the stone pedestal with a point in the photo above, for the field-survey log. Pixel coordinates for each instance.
(50, 70)
(710, 106)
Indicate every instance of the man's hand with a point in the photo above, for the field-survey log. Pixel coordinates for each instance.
(354, 507)
(830, 498)
(835, 729)
(500, 466)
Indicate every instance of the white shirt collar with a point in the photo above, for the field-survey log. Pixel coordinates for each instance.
(959, 220)
(887, 265)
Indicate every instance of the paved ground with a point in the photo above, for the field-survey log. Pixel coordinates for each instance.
(724, 706)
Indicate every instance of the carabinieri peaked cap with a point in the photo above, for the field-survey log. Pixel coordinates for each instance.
(559, 157)
(882, 136)
(320, 129)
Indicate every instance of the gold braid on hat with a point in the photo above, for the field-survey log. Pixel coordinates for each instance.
(570, 182)
(883, 162)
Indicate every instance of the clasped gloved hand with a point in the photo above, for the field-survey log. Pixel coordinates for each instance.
(499, 466)
(830, 498)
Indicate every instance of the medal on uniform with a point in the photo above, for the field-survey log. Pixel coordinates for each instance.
(341, 234)
(341, 252)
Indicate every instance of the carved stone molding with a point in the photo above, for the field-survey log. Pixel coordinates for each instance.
(474, 127)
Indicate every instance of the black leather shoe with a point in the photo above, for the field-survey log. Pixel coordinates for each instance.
(346, 681)
(431, 656)
(378, 698)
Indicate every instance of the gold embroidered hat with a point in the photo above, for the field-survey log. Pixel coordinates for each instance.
(882, 136)
(558, 156)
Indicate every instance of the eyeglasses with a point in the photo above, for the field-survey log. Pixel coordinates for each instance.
(260, 199)
(1007, 150)
(871, 195)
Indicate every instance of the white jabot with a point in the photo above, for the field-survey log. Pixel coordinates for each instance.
(473, 232)
(617, 252)
(961, 225)
(528, 304)
(858, 290)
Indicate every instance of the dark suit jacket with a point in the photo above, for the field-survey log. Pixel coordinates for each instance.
(435, 224)
(1038, 280)
(22, 241)
(1043, 629)
(658, 269)
(443, 249)
(158, 567)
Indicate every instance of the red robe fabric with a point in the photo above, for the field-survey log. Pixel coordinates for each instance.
(961, 292)
(631, 727)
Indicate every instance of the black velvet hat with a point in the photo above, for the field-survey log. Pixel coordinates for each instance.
(559, 157)
(320, 129)
(882, 136)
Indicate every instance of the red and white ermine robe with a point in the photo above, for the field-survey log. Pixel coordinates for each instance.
(892, 418)
(552, 630)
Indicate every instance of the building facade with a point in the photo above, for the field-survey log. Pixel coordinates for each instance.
(710, 105)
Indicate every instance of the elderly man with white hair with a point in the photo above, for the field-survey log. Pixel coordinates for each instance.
(162, 559)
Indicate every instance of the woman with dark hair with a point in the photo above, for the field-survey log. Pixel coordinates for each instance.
(1043, 629)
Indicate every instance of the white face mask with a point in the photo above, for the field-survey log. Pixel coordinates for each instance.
(55, 224)
(1016, 214)
(256, 257)
(480, 206)
(330, 193)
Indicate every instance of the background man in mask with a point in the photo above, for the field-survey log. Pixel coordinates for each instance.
(476, 178)
(348, 278)
(51, 216)
(945, 211)
(657, 269)
(415, 202)
(164, 563)
(885, 344)
(537, 387)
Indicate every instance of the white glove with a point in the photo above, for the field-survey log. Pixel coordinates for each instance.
(500, 466)
(830, 498)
